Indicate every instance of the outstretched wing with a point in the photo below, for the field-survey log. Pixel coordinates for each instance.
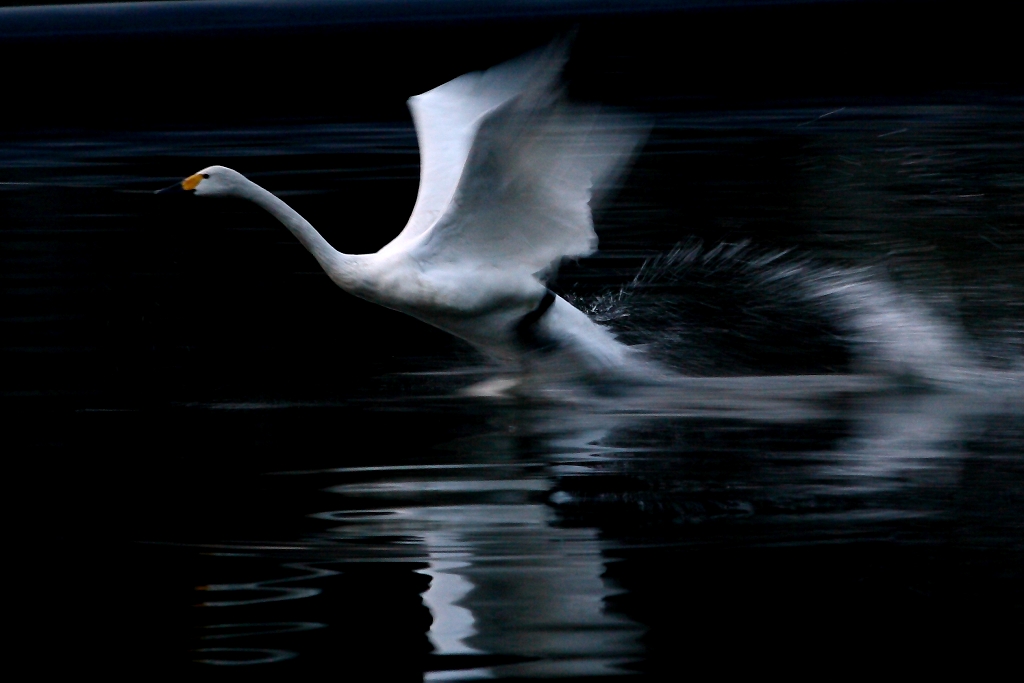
(447, 119)
(523, 200)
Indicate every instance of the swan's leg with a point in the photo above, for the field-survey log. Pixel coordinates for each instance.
(570, 330)
(528, 331)
(537, 344)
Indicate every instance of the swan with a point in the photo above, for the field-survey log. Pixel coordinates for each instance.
(508, 172)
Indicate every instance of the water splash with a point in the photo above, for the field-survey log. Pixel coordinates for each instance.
(738, 310)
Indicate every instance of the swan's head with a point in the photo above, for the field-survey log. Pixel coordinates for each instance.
(213, 181)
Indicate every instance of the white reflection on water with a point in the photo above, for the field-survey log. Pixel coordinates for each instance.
(452, 624)
(258, 592)
(241, 656)
(911, 440)
(506, 579)
(509, 577)
(246, 630)
(899, 440)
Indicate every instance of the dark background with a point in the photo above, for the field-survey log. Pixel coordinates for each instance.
(116, 300)
(181, 70)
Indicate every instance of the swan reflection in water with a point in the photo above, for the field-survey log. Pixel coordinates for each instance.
(506, 577)
(512, 528)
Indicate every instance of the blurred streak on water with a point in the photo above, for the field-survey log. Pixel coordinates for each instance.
(275, 474)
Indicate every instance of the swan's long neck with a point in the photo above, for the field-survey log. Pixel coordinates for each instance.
(342, 268)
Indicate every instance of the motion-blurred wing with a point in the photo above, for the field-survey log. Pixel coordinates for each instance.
(523, 200)
(447, 119)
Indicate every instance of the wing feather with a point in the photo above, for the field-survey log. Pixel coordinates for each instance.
(524, 197)
(447, 119)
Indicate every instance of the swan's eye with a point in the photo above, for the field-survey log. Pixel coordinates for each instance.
(206, 175)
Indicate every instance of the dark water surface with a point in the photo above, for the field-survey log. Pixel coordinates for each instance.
(218, 462)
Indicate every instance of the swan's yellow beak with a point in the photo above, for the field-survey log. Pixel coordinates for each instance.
(186, 185)
(192, 182)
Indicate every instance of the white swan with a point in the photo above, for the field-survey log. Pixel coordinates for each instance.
(508, 171)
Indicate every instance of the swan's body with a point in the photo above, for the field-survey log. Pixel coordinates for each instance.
(508, 170)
